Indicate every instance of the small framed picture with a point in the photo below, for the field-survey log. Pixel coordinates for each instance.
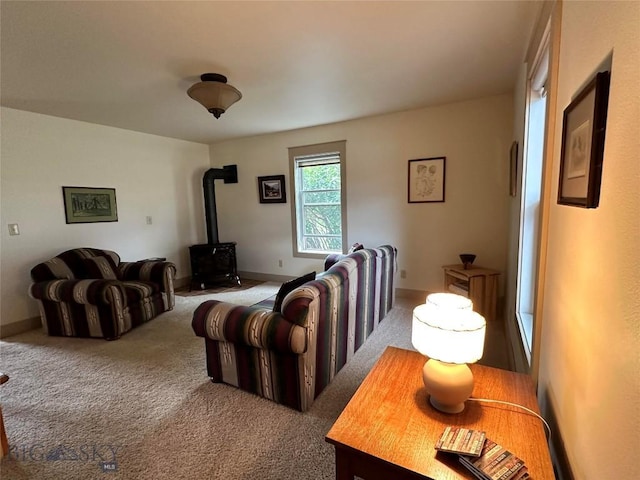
(583, 130)
(271, 189)
(90, 205)
(513, 169)
(426, 180)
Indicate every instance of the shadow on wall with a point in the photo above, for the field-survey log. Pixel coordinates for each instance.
(561, 466)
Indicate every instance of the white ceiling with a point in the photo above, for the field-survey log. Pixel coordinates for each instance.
(297, 64)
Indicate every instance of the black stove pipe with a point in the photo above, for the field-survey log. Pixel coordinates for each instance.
(228, 173)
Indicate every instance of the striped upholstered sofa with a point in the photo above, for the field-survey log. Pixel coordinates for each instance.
(291, 356)
(87, 292)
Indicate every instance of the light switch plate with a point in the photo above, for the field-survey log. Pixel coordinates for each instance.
(14, 229)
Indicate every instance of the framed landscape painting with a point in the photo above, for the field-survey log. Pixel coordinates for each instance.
(271, 189)
(90, 205)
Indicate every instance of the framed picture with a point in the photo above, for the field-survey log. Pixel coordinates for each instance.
(271, 189)
(89, 205)
(513, 169)
(426, 180)
(583, 130)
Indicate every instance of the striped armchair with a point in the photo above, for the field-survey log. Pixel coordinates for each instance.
(290, 357)
(87, 292)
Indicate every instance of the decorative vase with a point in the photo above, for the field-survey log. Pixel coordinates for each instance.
(467, 260)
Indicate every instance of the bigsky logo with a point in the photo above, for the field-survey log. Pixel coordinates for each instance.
(106, 456)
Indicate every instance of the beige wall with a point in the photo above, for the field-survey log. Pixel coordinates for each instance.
(152, 175)
(589, 376)
(161, 177)
(474, 136)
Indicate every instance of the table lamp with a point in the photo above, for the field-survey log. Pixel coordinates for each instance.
(451, 334)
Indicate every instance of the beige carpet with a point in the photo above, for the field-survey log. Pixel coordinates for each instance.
(142, 407)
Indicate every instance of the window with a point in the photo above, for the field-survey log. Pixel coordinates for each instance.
(319, 200)
(530, 202)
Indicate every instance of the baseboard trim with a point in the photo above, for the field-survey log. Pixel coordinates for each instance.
(20, 326)
(181, 282)
(414, 295)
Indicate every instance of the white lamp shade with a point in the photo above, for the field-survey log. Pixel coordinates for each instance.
(447, 329)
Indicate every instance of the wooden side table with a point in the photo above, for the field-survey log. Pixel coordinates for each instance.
(477, 283)
(388, 430)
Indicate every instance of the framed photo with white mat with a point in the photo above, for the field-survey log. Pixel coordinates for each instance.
(583, 132)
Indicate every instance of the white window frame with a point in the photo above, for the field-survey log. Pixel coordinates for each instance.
(328, 152)
(532, 183)
(546, 38)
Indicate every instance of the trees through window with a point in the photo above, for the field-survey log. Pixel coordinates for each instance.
(318, 198)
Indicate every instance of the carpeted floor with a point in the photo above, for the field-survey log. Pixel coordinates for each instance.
(246, 284)
(142, 407)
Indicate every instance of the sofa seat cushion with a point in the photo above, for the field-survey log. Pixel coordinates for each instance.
(267, 303)
(80, 292)
(137, 291)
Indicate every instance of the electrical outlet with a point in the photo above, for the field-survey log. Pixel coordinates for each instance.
(280, 263)
(149, 220)
(14, 229)
(403, 274)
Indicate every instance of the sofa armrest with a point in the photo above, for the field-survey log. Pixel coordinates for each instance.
(250, 326)
(85, 292)
(162, 273)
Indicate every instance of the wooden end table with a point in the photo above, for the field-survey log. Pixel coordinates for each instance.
(479, 284)
(388, 430)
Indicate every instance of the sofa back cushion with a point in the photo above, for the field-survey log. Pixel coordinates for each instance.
(357, 273)
(70, 264)
(100, 267)
(53, 269)
(342, 306)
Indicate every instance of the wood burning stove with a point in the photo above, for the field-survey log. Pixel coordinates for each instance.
(214, 262)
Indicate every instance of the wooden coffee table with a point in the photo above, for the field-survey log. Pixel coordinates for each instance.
(388, 430)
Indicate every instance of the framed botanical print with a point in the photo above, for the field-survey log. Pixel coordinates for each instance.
(426, 180)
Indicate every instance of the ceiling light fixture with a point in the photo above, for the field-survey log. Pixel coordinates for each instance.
(214, 93)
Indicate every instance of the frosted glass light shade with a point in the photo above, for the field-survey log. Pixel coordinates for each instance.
(447, 329)
(214, 94)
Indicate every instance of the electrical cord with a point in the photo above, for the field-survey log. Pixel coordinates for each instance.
(488, 400)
